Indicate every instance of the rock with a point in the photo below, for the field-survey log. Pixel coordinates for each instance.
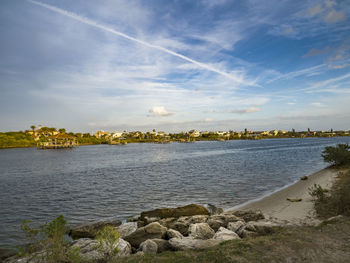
(171, 233)
(124, 248)
(250, 227)
(89, 249)
(294, 199)
(303, 178)
(188, 210)
(235, 226)
(149, 247)
(163, 245)
(247, 233)
(150, 231)
(197, 219)
(225, 234)
(127, 229)
(90, 230)
(6, 253)
(215, 224)
(264, 227)
(213, 210)
(248, 215)
(192, 244)
(181, 224)
(147, 220)
(201, 231)
(333, 219)
(133, 218)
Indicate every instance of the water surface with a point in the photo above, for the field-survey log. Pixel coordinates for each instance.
(103, 182)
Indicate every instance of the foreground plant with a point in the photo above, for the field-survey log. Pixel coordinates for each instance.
(339, 155)
(108, 238)
(48, 242)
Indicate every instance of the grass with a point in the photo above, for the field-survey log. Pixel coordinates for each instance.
(327, 243)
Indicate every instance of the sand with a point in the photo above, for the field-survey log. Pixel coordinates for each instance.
(277, 207)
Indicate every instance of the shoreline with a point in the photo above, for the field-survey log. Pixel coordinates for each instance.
(275, 206)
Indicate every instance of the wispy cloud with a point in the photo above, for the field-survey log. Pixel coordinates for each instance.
(139, 41)
(248, 110)
(160, 111)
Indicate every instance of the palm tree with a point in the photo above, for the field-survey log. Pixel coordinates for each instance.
(33, 128)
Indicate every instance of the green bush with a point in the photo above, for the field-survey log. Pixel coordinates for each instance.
(48, 242)
(108, 238)
(339, 155)
(337, 202)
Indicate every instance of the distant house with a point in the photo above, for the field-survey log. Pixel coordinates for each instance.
(220, 133)
(194, 133)
(161, 134)
(43, 132)
(116, 134)
(100, 134)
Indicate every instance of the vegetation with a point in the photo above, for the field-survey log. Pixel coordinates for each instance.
(48, 242)
(339, 155)
(108, 238)
(16, 139)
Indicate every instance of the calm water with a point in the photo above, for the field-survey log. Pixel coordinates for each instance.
(103, 182)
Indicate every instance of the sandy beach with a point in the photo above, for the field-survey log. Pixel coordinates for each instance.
(277, 207)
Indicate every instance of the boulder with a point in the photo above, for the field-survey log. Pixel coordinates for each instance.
(149, 247)
(196, 219)
(163, 245)
(188, 210)
(89, 249)
(201, 231)
(150, 231)
(248, 215)
(6, 253)
(188, 243)
(215, 224)
(264, 227)
(127, 229)
(235, 226)
(181, 224)
(213, 210)
(90, 230)
(171, 233)
(225, 234)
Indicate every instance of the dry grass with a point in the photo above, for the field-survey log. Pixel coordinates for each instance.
(327, 243)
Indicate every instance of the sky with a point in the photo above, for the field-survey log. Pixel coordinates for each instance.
(175, 65)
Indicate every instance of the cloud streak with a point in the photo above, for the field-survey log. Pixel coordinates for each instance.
(139, 41)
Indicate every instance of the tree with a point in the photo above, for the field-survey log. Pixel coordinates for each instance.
(33, 128)
(338, 155)
(62, 130)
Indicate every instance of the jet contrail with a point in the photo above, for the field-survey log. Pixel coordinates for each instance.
(111, 30)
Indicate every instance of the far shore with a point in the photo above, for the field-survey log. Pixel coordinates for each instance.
(298, 212)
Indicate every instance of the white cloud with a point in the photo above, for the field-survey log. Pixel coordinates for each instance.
(159, 111)
(317, 104)
(248, 110)
(334, 16)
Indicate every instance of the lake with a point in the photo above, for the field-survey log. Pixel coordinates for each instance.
(102, 182)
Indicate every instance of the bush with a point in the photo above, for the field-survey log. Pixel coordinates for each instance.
(48, 242)
(337, 202)
(339, 155)
(108, 238)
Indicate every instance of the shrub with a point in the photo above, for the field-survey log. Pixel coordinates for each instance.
(337, 202)
(108, 238)
(48, 242)
(339, 155)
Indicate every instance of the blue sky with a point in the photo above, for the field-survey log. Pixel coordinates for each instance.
(175, 65)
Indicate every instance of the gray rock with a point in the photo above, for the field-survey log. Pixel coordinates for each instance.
(264, 227)
(215, 224)
(151, 231)
(247, 216)
(197, 219)
(163, 245)
(127, 229)
(213, 210)
(225, 234)
(149, 247)
(171, 233)
(188, 210)
(90, 250)
(201, 231)
(235, 226)
(90, 230)
(192, 244)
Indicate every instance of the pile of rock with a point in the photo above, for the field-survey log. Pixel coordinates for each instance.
(190, 227)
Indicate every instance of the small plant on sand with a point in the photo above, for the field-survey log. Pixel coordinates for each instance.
(318, 192)
(337, 156)
(108, 238)
(48, 242)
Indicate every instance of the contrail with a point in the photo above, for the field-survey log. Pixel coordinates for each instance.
(111, 30)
